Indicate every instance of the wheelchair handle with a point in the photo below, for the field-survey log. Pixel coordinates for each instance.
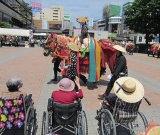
(149, 103)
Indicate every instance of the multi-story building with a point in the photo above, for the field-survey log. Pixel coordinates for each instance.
(55, 13)
(14, 14)
(52, 16)
(111, 19)
(123, 27)
(54, 19)
(110, 11)
(114, 24)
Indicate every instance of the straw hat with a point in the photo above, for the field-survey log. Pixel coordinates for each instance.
(73, 46)
(66, 84)
(119, 48)
(81, 19)
(128, 89)
(153, 130)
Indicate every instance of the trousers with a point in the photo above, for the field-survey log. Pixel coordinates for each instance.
(56, 67)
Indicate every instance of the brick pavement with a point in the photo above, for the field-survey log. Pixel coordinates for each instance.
(36, 73)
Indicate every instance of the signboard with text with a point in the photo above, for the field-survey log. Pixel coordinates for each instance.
(36, 7)
(67, 17)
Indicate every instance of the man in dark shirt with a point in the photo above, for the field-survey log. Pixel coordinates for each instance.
(120, 66)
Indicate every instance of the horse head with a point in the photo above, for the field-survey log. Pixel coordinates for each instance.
(50, 44)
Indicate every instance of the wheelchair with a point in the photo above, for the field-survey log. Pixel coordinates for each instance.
(18, 116)
(63, 118)
(122, 114)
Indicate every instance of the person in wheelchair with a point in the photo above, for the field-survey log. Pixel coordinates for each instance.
(127, 89)
(18, 115)
(66, 93)
(13, 85)
(64, 111)
(120, 66)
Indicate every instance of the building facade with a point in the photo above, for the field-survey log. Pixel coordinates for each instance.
(55, 13)
(110, 11)
(53, 19)
(11, 12)
(123, 26)
(114, 24)
(110, 19)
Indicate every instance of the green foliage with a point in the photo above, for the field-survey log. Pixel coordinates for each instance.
(26, 12)
(4, 25)
(74, 27)
(143, 17)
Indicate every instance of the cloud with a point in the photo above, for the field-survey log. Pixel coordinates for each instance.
(77, 8)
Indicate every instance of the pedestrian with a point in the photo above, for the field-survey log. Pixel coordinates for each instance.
(119, 66)
(137, 48)
(72, 61)
(32, 42)
(1, 41)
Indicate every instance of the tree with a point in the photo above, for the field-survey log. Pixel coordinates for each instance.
(4, 25)
(74, 27)
(140, 17)
(26, 12)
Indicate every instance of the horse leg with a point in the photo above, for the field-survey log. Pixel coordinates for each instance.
(83, 78)
(56, 69)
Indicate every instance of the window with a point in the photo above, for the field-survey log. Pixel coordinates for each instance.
(140, 39)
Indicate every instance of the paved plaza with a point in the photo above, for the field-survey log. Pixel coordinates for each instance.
(36, 71)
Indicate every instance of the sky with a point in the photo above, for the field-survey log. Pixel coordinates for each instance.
(78, 8)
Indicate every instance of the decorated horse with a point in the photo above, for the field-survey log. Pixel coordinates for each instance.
(92, 57)
(56, 45)
(92, 54)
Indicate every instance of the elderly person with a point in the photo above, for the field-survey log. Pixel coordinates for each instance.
(66, 93)
(13, 85)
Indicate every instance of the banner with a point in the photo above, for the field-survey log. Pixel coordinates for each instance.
(44, 24)
(36, 7)
(91, 22)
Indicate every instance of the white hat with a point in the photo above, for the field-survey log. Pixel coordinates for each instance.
(128, 89)
(119, 48)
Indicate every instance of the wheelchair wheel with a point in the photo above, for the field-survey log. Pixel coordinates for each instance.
(45, 130)
(30, 124)
(107, 124)
(139, 124)
(82, 126)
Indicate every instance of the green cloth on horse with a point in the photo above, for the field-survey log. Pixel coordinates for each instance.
(92, 65)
